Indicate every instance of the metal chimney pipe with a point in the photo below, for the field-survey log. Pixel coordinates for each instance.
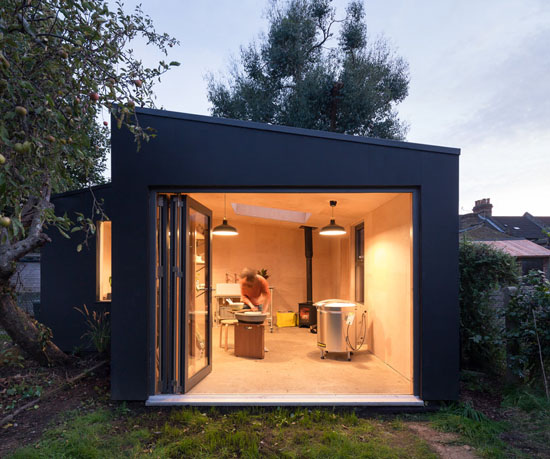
(308, 239)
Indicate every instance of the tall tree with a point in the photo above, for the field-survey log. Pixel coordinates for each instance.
(299, 74)
(61, 63)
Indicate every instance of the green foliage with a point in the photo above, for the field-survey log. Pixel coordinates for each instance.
(528, 401)
(528, 333)
(474, 427)
(294, 78)
(86, 436)
(263, 272)
(99, 329)
(482, 270)
(247, 433)
(11, 357)
(24, 391)
(61, 64)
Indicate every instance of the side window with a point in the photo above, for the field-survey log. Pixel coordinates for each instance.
(360, 263)
(103, 278)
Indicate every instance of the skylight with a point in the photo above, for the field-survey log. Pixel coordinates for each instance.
(270, 213)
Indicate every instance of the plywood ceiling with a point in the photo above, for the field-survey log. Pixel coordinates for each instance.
(351, 207)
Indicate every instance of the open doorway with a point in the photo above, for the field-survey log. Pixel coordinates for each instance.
(371, 265)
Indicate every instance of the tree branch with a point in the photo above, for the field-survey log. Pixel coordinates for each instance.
(28, 29)
(10, 253)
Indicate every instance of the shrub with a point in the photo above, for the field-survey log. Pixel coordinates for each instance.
(482, 269)
(99, 329)
(528, 333)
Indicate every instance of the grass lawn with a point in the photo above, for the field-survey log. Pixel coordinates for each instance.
(189, 432)
(81, 422)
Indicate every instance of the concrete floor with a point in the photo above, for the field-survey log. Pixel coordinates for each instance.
(293, 366)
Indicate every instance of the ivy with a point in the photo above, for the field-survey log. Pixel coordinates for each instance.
(482, 270)
(528, 333)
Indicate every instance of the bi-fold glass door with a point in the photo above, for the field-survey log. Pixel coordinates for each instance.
(183, 319)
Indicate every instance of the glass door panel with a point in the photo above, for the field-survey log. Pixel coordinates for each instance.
(183, 320)
(198, 351)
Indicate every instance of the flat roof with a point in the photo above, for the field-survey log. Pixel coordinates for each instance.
(298, 131)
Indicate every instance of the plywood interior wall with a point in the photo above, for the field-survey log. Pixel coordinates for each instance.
(388, 282)
(279, 247)
(104, 260)
(281, 251)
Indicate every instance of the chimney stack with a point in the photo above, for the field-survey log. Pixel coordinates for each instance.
(483, 207)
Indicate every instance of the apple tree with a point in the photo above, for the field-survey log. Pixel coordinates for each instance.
(61, 63)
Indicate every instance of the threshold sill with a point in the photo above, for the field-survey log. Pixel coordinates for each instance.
(283, 400)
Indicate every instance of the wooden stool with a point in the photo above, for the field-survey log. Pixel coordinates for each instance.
(224, 324)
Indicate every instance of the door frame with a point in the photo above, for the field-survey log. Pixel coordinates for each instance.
(416, 255)
(183, 281)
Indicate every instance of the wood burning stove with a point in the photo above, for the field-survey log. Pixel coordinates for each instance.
(307, 315)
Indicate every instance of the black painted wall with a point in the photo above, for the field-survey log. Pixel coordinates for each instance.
(201, 153)
(68, 277)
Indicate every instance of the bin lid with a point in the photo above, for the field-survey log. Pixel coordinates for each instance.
(335, 303)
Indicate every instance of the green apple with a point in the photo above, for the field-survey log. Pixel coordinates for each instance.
(21, 111)
(27, 146)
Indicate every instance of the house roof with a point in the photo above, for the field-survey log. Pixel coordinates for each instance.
(516, 227)
(521, 248)
(483, 232)
(297, 131)
(519, 226)
(545, 221)
(83, 190)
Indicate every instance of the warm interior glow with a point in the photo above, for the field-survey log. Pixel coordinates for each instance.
(104, 261)
(388, 283)
(278, 246)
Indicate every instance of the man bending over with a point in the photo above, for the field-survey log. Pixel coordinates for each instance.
(255, 292)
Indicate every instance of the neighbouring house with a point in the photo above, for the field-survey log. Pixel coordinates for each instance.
(534, 229)
(330, 216)
(523, 237)
(27, 283)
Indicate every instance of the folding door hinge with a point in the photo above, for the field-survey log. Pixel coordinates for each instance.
(178, 272)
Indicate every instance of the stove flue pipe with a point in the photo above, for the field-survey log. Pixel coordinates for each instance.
(308, 239)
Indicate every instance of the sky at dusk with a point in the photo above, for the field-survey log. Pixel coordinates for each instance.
(479, 80)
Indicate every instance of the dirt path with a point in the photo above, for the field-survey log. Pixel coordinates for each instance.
(442, 443)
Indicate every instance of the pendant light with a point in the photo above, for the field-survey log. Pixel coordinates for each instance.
(225, 229)
(332, 229)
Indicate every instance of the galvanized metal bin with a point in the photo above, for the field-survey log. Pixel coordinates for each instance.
(333, 318)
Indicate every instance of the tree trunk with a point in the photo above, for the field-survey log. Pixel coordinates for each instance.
(26, 332)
